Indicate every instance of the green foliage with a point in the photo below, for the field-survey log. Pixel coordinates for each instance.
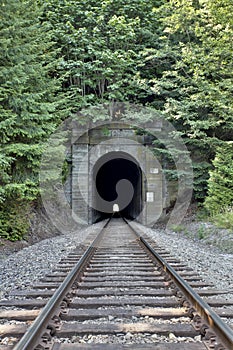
(201, 232)
(104, 46)
(179, 229)
(175, 56)
(199, 79)
(224, 219)
(60, 56)
(30, 104)
(195, 79)
(14, 220)
(220, 183)
(201, 174)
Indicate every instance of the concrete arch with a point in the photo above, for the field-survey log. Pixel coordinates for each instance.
(88, 153)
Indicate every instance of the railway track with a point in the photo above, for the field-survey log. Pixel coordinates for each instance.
(122, 292)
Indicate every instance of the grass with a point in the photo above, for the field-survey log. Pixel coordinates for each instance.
(224, 219)
(202, 232)
(215, 230)
(179, 229)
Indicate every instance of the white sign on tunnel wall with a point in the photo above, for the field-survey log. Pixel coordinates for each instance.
(150, 196)
(154, 170)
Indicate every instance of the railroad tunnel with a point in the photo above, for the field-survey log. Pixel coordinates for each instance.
(108, 172)
(101, 162)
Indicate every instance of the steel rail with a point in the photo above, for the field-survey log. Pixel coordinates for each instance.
(30, 339)
(221, 329)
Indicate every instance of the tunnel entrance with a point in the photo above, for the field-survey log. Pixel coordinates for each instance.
(106, 157)
(108, 173)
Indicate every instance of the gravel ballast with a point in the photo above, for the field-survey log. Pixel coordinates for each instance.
(212, 264)
(21, 269)
(33, 262)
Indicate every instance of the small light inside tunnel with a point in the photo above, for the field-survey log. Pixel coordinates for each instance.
(115, 208)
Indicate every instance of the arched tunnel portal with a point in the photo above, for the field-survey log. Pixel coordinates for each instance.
(114, 168)
(108, 173)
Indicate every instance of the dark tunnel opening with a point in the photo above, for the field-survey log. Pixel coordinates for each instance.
(107, 173)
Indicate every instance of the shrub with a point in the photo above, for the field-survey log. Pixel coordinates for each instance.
(14, 220)
(202, 232)
(220, 183)
(179, 229)
(224, 219)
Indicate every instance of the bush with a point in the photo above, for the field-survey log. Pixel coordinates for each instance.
(14, 220)
(220, 183)
(179, 229)
(225, 219)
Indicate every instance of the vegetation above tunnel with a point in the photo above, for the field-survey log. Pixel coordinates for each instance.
(59, 56)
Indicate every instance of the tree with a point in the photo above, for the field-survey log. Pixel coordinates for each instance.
(174, 56)
(29, 95)
(196, 78)
(59, 56)
(220, 184)
(104, 46)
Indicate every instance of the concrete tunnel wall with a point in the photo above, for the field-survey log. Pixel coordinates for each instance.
(137, 164)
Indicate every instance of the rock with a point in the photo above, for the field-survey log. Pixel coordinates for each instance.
(172, 336)
(128, 336)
